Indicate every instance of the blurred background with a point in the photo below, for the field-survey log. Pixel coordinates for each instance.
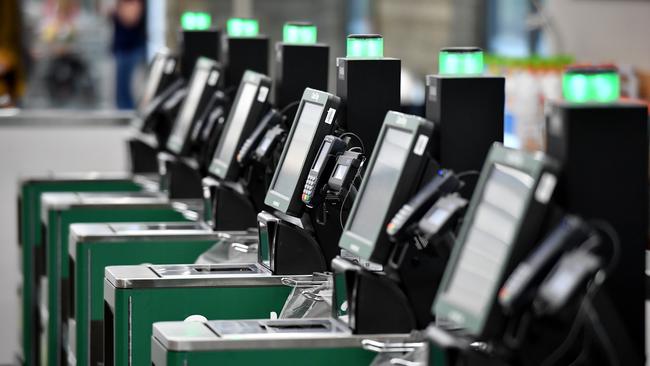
(65, 54)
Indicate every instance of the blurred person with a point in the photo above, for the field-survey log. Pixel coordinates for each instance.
(12, 84)
(67, 78)
(129, 46)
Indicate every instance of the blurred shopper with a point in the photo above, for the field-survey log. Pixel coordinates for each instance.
(129, 46)
(67, 74)
(11, 66)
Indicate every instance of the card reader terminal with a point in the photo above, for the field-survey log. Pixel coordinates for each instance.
(443, 183)
(441, 216)
(270, 140)
(345, 170)
(272, 118)
(528, 275)
(322, 167)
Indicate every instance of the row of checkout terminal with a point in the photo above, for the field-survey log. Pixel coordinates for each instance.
(271, 222)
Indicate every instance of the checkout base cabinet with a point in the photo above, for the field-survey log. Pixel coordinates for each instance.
(58, 266)
(267, 357)
(91, 259)
(131, 317)
(32, 246)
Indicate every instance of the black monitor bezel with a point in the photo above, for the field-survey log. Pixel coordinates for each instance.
(293, 205)
(536, 166)
(182, 148)
(229, 170)
(378, 249)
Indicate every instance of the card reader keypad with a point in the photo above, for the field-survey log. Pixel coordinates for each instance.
(308, 191)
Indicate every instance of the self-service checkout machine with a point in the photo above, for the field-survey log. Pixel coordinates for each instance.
(238, 49)
(197, 234)
(363, 95)
(62, 209)
(226, 290)
(400, 303)
(300, 62)
(569, 300)
(399, 159)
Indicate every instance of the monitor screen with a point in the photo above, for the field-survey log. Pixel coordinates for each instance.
(321, 156)
(487, 241)
(153, 80)
(188, 109)
(301, 141)
(373, 203)
(230, 136)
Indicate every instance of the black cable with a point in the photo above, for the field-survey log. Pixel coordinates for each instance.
(466, 173)
(586, 346)
(341, 212)
(585, 305)
(609, 230)
(608, 347)
(562, 349)
(229, 90)
(288, 107)
(363, 148)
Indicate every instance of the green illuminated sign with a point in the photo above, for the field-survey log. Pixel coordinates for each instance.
(299, 33)
(591, 85)
(365, 46)
(460, 61)
(196, 21)
(241, 27)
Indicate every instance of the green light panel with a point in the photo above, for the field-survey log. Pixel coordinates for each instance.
(599, 87)
(240, 27)
(460, 63)
(196, 21)
(363, 46)
(299, 33)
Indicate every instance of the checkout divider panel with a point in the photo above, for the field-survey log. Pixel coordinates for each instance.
(58, 267)
(94, 257)
(175, 304)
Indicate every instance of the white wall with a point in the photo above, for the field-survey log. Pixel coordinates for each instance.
(604, 31)
(35, 150)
